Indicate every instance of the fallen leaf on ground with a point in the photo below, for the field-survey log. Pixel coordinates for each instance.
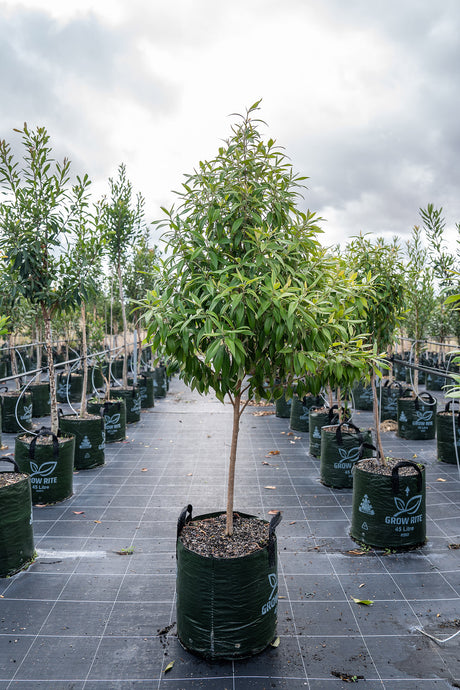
(190, 474)
(144, 469)
(264, 413)
(273, 512)
(290, 433)
(365, 602)
(293, 522)
(275, 643)
(272, 452)
(361, 585)
(453, 546)
(439, 479)
(269, 487)
(169, 667)
(78, 512)
(98, 522)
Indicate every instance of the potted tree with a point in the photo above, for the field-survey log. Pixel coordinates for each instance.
(123, 218)
(245, 297)
(35, 215)
(388, 504)
(83, 269)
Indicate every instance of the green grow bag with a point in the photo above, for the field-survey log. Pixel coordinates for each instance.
(283, 407)
(16, 531)
(95, 379)
(117, 368)
(226, 607)
(41, 403)
(389, 510)
(132, 399)
(319, 417)
(388, 398)
(146, 389)
(417, 416)
(114, 413)
(10, 423)
(362, 397)
(342, 445)
(435, 382)
(89, 439)
(70, 385)
(159, 382)
(448, 434)
(50, 465)
(300, 411)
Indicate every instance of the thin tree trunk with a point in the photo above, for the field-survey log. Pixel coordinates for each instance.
(125, 328)
(231, 470)
(49, 354)
(84, 360)
(378, 437)
(339, 404)
(14, 364)
(38, 350)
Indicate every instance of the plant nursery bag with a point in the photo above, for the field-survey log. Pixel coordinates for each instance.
(448, 434)
(89, 439)
(283, 407)
(362, 396)
(319, 417)
(416, 416)
(300, 411)
(50, 465)
(11, 424)
(226, 607)
(341, 446)
(41, 404)
(114, 414)
(389, 395)
(16, 532)
(388, 510)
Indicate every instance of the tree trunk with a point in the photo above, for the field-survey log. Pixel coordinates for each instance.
(378, 437)
(125, 328)
(38, 350)
(14, 364)
(49, 354)
(231, 470)
(84, 359)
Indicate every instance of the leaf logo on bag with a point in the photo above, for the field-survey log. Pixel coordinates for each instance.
(316, 433)
(402, 417)
(44, 470)
(62, 389)
(85, 443)
(391, 405)
(350, 455)
(409, 508)
(136, 406)
(366, 506)
(27, 413)
(273, 598)
(424, 416)
(112, 423)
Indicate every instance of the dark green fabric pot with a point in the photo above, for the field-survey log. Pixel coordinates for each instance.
(226, 607)
(435, 382)
(16, 531)
(283, 407)
(10, 424)
(448, 434)
(362, 397)
(114, 413)
(388, 399)
(342, 445)
(389, 511)
(89, 439)
(300, 411)
(71, 385)
(319, 417)
(41, 403)
(417, 417)
(146, 389)
(132, 399)
(117, 368)
(50, 466)
(159, 382)
(95, 379)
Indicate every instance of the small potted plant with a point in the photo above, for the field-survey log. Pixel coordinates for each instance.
(388, 504)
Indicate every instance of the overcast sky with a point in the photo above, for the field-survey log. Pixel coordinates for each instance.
(363, 94)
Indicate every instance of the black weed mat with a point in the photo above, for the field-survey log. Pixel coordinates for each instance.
(96, 611)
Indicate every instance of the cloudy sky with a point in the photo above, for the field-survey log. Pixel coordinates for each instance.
(364, 95)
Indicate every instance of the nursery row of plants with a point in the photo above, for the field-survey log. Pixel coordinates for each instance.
(246, 302)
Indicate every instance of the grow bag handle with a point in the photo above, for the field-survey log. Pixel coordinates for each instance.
(338, 433)
(274, 522)
(184, 517)
(395, 384)
(44, 431)
(395, 475)
(364, 445)
(425, 397)
(4, 458)
(333, 412)
(449, 405)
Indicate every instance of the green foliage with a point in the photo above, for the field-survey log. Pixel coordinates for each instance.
(380, 262)
(246, 291)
